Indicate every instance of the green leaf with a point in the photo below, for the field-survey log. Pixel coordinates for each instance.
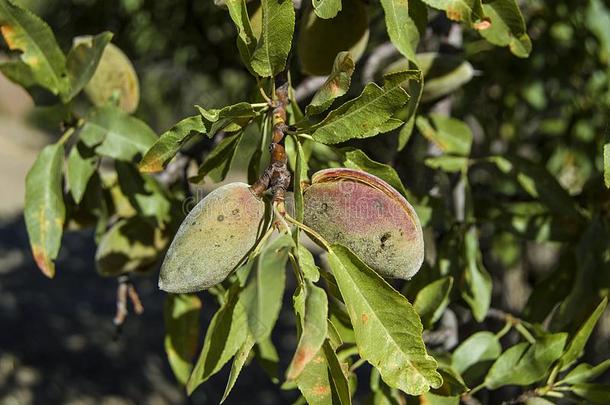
(82, 163)
(365, 115)
(453, 384)
(577, 343)
(18, 72)
(449, 134)
(308, 264)
(326, 8)
(594, 393)
(114, 81)
(402, 30)
(230, 117)
(607, 165)
(476, 283)
(181, 317)
(315, 382)
(314, 327)
(268, 359)
(474, 356)
(262, 296)
(272, 50)
(224, 337)
(507, 27)
(219, 160)
(524, 363)
(537, 182)
(469, 11)
(380, 314)
(300, 174)
(169, 143)
(83, 60)
(119, 135)
(335, 86)
(449, 164)
(44, 210)
(338, 378)
(356, 159)
(585, 372)
(240, 359)
(432, 300)
(246, 41)
(349, 31)
(24, 31)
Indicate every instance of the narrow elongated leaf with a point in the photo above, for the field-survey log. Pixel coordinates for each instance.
(308, 264)
(119, 135)
(578, 342)
(169, 143)
(181, 316)
(313, 331)
(246, 41)
(477, 283)
(585, 372)
(524, 363)
(230, 118)
(449, 134)
(83, 60)
(44, 207)
(82, 163)
(365, 115)
(336, 85)
(240, 359)
(432, 300)
(300, 175)
(224, 337)
(474, 356)
(326, 8)
(24, 31)
(402, 30)
(449, 164)
(593, 393)
(272, 50)
(507, 27)
(337, 372)
(380, 314)
(262, 296)
(219, 160)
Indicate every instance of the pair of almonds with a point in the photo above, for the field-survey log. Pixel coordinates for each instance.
(345, 206)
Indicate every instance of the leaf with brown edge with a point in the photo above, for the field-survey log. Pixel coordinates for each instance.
(24, 31)
(336, 85)
(44, 207)
(314, 327)
(169, 143)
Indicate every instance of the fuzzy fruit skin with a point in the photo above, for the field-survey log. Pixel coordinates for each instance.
(213, 239)
(367, 215)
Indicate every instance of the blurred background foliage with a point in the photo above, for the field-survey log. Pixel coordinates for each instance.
(552, 108)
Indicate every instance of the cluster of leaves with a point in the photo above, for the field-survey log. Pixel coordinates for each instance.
(346, 314)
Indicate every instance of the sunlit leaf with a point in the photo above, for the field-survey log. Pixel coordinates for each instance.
(474, 356)
(525, 363)
(449, 134)
(449, 164)
(380, 314)
(326, 8)
(585, 372)
(82, 163)
(507, 27)
(469, 11)
(169, 143)
(246, 41)
(83, 60)
(44, 210)
(356, 159)
(477, 283)
(365, 115)
(432, 300)
(240, 359)
(181, 317)
(24, 31)
(402, 30)
(272, 50)
(224, 337)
